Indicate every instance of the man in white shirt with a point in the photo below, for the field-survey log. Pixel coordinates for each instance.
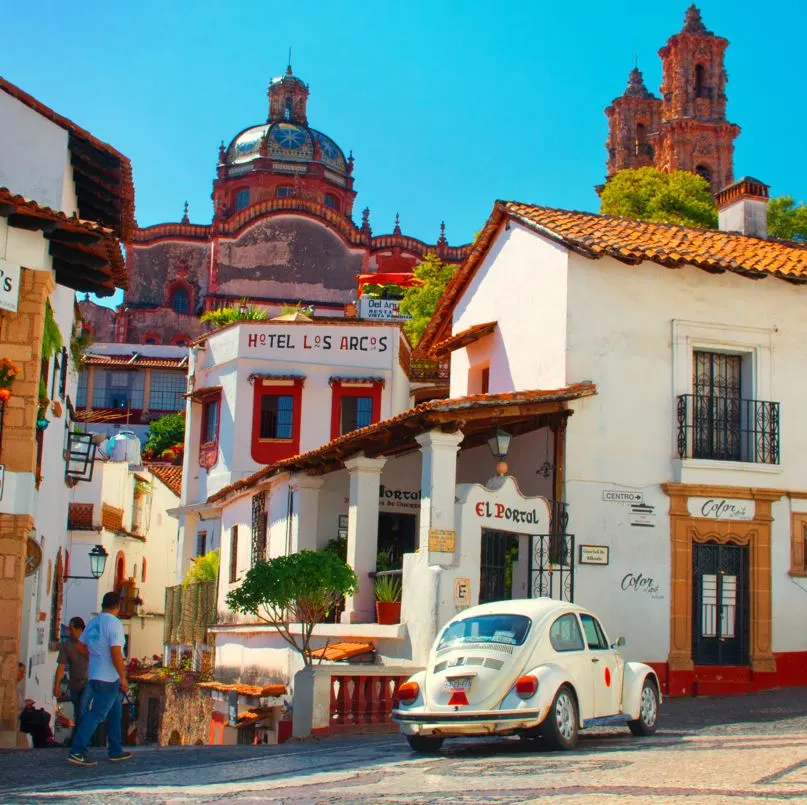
(103, 638)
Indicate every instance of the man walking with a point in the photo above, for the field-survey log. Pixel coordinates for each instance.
(101, 700)
(71, 658)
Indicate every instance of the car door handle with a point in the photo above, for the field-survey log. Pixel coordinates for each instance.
(595, 659)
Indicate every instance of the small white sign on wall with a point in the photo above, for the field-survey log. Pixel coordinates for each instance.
(9, 285)
(721, 508)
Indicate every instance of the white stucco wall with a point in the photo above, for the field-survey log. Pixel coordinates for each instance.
(231, 356)
(521, 285)
(34, 152)
(627, 331)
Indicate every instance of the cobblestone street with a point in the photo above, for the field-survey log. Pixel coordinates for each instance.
(737, 749)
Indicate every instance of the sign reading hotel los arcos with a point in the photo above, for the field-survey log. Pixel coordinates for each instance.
(349, 345)
(721, 508)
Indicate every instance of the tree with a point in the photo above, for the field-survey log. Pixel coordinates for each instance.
(165, 432)
(420, 300)
(299, 588)
(648, 194)
(787, 220)
(222, 316)
(204, 568)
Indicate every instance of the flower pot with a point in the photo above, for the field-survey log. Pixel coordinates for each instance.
(42, 423)
(388, 612)
(5, 393)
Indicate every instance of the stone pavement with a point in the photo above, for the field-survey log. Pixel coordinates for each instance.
(730, 750)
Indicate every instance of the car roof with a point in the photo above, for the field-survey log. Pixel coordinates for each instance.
(535, 608)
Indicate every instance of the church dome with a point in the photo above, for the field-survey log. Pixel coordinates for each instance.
(286, 142)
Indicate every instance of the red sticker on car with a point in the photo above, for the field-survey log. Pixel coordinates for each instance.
(607, 677)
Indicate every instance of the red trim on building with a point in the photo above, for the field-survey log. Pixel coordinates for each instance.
(724, 680)
(209, 449)
(342, 389)
(268, 451)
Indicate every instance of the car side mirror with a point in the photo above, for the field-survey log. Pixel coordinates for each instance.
(620, 641)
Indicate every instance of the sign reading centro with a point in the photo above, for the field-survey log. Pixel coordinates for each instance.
(498, 511)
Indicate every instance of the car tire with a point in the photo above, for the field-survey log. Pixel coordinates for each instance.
(424, 744)
(560, 726)
(647, 722)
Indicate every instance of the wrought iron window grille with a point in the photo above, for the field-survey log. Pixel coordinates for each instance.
(728, 429)
(259, 523)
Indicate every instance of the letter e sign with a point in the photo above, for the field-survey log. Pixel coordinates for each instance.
(462, 593)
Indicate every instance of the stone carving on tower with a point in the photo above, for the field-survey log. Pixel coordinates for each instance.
(685, 129)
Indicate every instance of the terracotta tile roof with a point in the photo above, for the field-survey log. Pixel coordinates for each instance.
(399, 431)
(169, 474)
(258, 691)
(346, 380)
(464, 338)
(136, 361)
(101, 242)
(116, 183)
(342, 651)
(628, 241)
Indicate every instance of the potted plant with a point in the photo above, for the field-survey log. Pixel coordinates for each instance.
(44, 402)
(8, 373)
(388, 599)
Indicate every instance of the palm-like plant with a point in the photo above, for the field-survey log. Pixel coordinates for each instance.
(204, 568)
(222, 316)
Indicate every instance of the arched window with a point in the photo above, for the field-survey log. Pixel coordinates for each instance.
(641, 139)
(705, 171)
(285, 192)
(332, 201)
(120, 571)
(287, 110)
(701, 90)
(242, 199)
(180, 303)
(151, 338)
(181, 340)
(143, 570)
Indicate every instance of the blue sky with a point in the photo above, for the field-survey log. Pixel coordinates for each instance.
(446, 105)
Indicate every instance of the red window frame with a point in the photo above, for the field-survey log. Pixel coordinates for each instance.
(209, 449)
(267, 451)
(341, 389)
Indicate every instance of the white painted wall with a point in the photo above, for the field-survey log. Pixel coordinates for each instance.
(228, 359)
(34, 152)
(630, 329)
(521, 285)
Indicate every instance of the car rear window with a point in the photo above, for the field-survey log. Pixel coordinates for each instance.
(510, 630)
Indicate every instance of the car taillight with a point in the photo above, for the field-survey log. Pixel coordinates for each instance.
(408, 692)
(526, 686)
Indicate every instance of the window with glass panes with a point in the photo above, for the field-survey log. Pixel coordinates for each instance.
(167, 390)
(210, 420)
(81, 389)
(277, 416)
(118, 389)
(357, 412)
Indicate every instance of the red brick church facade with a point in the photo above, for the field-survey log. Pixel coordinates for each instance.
(685, 129)
(282, 233)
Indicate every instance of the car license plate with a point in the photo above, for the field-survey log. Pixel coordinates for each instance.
(457, 683)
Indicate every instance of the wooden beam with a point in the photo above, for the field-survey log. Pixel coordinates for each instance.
(85, 237)
(79, 257)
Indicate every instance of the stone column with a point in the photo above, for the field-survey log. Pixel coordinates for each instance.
(305, 511)
(362, 535)
(21, 337)
(438, 482)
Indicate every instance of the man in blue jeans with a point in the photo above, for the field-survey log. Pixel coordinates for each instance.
(103, 640)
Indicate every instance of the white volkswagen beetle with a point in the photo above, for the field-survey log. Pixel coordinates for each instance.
(526, 667)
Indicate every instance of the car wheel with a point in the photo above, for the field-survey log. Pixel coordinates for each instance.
(424, 744)
(648, 710)
(560, 726)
